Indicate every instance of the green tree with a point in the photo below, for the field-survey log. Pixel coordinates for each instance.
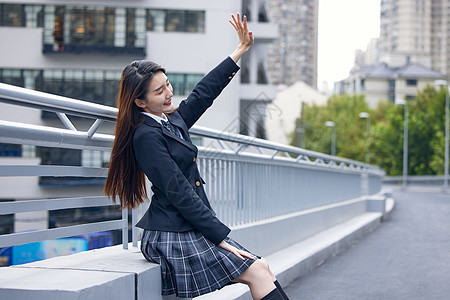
(384, 142)
(344, 111)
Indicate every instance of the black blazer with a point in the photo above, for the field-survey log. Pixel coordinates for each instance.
(179, 202)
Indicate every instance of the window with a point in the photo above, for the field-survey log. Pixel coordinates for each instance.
(12, 15)
(19, 15)
(175, 20)
(183, 84)
(12, 76)
(95, 86)
(97, 29)
(411, 82)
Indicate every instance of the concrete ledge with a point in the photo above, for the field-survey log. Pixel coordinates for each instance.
(122, 274)
(52, 284)
(299, 259)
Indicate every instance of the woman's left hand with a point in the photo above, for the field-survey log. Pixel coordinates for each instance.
(236, 251)
(246, 38)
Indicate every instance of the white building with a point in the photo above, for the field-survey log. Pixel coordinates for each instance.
(283, 112)
(78, 48)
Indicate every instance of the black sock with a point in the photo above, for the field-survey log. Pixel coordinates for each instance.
(273, 295)
(280, 289)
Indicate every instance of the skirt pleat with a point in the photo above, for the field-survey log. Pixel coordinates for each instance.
(190, 264)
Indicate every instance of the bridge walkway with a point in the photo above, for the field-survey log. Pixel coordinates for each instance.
(406, 258)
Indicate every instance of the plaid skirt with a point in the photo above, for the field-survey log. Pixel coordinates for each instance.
(190, 264)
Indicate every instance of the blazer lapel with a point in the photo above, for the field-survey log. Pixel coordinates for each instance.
(151, 122)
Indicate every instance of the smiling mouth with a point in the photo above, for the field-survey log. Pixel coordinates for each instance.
(168, 103)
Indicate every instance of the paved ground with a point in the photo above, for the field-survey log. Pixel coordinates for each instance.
(407, 257)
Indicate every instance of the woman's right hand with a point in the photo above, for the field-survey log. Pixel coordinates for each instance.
(236, 251)
(246, 38)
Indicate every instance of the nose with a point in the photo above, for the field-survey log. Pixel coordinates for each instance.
(170, 93)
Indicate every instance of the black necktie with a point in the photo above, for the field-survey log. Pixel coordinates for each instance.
(169, 127)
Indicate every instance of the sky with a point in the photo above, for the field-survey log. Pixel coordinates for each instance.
(344, 26)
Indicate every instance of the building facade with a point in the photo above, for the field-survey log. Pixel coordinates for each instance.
(78, 48)
(293, 56)
(381, 82)
(411, 52)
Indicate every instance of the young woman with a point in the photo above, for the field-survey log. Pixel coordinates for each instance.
(181, 232)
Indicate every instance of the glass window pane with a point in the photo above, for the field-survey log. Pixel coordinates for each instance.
(76, 24)
(109, 26)
(156, 20)
(93, 87)
(175, 20)
(130, 36)
(13, 77)
(33, 15)
(195, 21)
(95, 26)
(13, 15)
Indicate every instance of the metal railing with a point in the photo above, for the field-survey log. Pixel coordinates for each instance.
(247, 179)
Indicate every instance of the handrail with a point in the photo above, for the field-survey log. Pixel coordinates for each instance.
(21, 96)
(49, 102)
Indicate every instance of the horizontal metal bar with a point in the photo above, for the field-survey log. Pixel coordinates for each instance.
(45, 101)
(56, 233)
(13, 207)
(57, 171)
(278, 160)
(20, 133)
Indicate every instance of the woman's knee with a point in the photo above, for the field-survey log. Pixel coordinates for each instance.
(268, 268)
(259, 270)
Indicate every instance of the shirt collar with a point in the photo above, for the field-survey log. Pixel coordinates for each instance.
(155, 117)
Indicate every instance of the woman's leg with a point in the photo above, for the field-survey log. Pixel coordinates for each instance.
(259, 278)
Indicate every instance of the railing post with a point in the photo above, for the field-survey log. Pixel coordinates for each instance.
(364, 184)
(125, 228)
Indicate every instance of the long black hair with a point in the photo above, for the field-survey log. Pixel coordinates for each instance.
(125, 180)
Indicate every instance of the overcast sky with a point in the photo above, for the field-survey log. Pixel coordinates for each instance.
(344, 26)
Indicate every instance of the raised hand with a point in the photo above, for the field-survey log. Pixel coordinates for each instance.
(246, 38)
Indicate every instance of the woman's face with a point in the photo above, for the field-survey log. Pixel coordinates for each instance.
(159, 96)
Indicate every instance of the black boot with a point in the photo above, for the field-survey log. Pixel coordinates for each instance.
(273, 295)
(280, 289)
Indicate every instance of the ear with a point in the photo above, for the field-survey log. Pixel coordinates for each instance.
(140, 103)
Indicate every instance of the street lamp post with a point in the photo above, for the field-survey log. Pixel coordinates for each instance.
(364, 115)
(405, 140)
(445, 84)
(333, 136)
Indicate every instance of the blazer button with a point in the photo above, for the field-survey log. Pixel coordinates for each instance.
(194, 159)
(234, 73)
(230, 77)
(197, 183)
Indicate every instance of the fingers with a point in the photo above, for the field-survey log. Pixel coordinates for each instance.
(242, 253)
(237, 23)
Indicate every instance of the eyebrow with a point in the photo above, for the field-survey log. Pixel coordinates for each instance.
(167, 80)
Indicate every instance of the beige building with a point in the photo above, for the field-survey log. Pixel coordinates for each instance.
(286, 108)
(381, 82)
